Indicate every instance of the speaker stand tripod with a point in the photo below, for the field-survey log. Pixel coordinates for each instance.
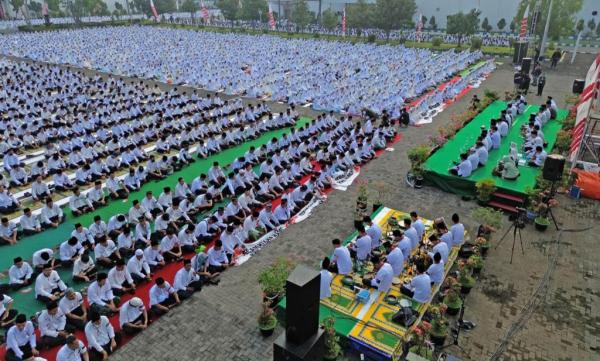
(516, 226)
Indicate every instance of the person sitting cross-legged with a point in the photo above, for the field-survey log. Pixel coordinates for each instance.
(100, 296)
(187, 281)
(163, 297)
(101, 337)
(75, 310)
(133, 316)
(52, 323)
(72, 350)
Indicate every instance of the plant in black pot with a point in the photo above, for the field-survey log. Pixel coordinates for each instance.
(267, 320)
(475, 261)
(417, 157)
(332, 341)
(381, 191)
(362, 200)
(485, 189)
(439, 324)
(452, 298)
(419, 345)
(466, 281)
(273, 278)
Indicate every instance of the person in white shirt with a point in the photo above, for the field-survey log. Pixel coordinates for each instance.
(75, 310)
(417, 224)
(457, 230)
(374, 232)
(39, 189)
(84, 269)
(326, 279)
(72, 350)
(187, 281)
(101, 337)
(8, 232)
(115, 225)
(282, 212)
(100, 296)
(217, 258)
(439, 247)
(20, 340)
(96, 195)
(436, 269)
(8, 202)
(411, 233)
(419, 288)
(464, 168)
(125, 242)
(395, 258)
(361, 249)
(163, 297)
(384, 276)
(187, 240)
(133, 316)
(49, 286)
(70, 250)
(138, 267)
(20, 274)
(51, 215)
(98, 229)
(52, 323)
(120, 279)
(42, 258)
(137, 212)
(341, 262)
(7, 312)
(153, 255)
(30, 224)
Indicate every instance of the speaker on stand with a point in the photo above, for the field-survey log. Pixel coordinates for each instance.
(302, 340)
(578, 85)
(520, 51)
(554, 166)
(526, 65)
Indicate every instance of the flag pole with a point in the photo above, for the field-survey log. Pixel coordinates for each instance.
(545, 37)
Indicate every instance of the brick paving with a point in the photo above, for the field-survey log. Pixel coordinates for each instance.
(219, 323)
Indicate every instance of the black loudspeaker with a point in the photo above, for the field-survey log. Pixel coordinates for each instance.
(311, 350)
(520, 52)
(405, 317)
(578, 85)
(302, 304)
(526, 65)
(553, 167)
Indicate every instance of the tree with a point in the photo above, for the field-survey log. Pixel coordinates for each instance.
(591, 24)
(35, 8)
(424, 20)
(485, 25)
(394, 14)
(562, 18)
(512, 26)
(580, 25)
(251, 8)
(301, 15)
(163, 6)
(359, 15)
(329, 19)
(229, 9)
(119, 10)
(432, 23)
(598, 29)
(17, 4)
(462, 24)
(501, 24)
(189, 6)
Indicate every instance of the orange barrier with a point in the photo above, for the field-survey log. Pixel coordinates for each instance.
(589, 183)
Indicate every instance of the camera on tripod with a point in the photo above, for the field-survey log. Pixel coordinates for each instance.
(520, 218)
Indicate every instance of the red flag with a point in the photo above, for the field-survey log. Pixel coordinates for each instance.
(1, 11)
(271, 18)
(153, 8)
(344, 22)
(524, 24)
(45, 9)
(204, 12)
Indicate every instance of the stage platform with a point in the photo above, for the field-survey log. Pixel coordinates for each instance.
(438, 164)
(367, 327)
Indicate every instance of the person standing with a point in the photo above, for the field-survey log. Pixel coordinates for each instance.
(555, 58)
(541, 84)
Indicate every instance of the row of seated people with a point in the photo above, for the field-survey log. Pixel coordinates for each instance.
(123, 276)
(172, 135)
(391, 258)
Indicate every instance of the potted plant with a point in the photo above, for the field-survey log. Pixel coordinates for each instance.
(272, 280)
(489, 221)
(267, 320)
(540, 203)
(419, 344)
(381, 192)
(465, 279)
(452, 299)
(485, 189)
(361, 203)
(332, 345)
(483, 244)
(475, 261)
(439, 324)
(417, 157)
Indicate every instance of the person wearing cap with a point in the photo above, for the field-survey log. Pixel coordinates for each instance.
(7, 312)
(163, 297)
(100, 296)
(133, 316)
(101, 337)
(326, 279)
(187, 281)
(52, 323)
(72, 350)
(74, 309)
(138, 267)
(20, 340)
(20, 274)
(49, 286)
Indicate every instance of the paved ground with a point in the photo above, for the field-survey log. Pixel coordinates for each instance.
(220, 322)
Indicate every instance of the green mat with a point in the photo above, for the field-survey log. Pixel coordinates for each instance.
(53, 237)
(437, 166)
(343, 323)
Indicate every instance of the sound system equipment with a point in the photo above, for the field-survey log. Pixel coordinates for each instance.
(578, 85)
(553, 167)
(302, 304)
(520, 51)
(302, 340)
(526, 65)
(405, 317)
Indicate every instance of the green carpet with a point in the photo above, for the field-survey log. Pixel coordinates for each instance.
(343, 323)
(437, 166)
(470, 69)
(53, 237)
